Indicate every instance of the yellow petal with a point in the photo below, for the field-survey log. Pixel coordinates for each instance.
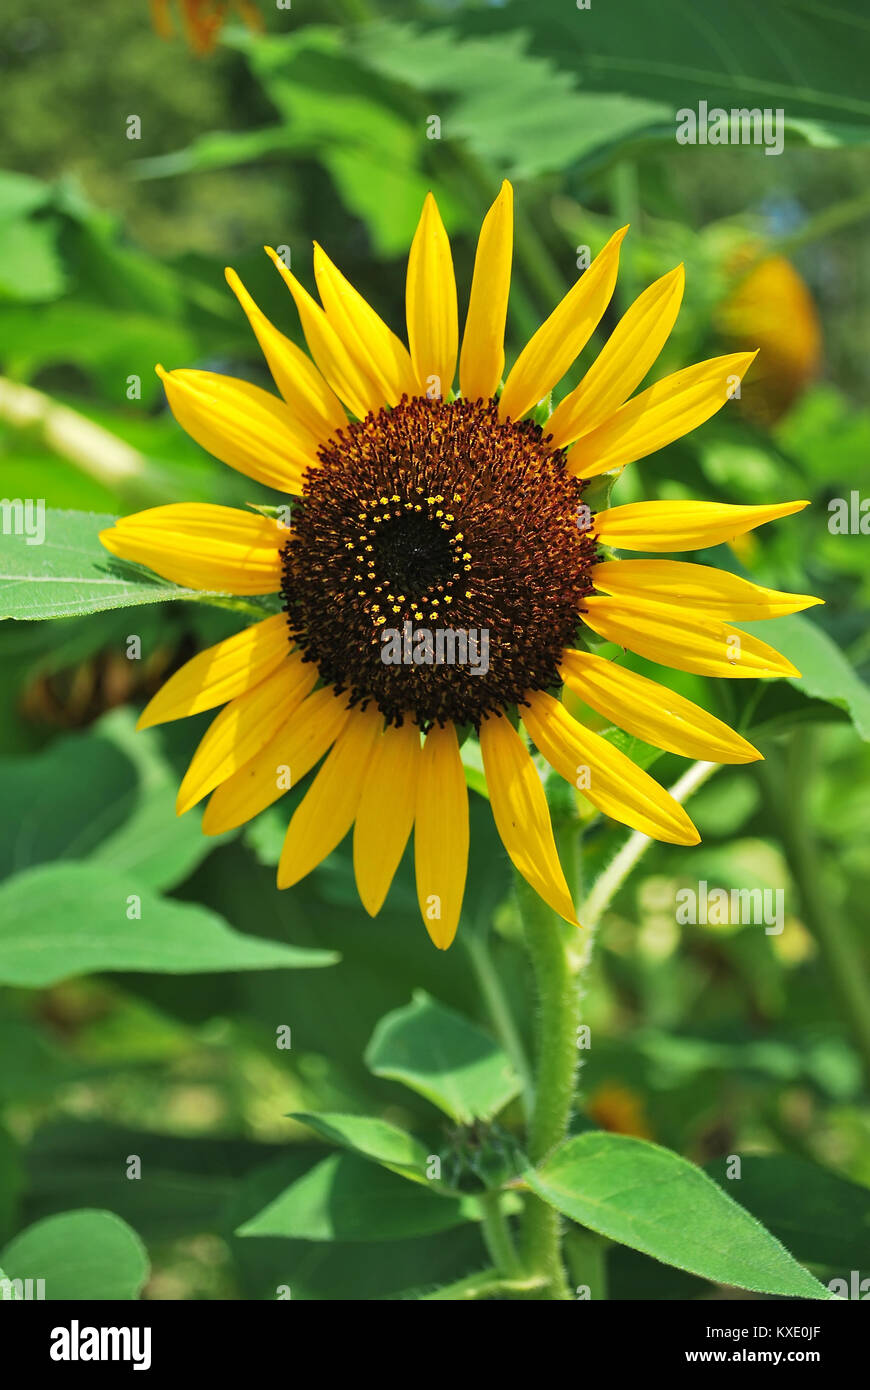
(481, 361)
(697, 587)
(547, 356)
(688, 641)
(372, 345)
(241, 425)
(350, 384)
(325, 813)
(430, 301)
(605, 776)
(682, 525)
(292, 752)
(652, 712)
(243, 727)
(203, 546)
(623, 362)
(386, 813)
(315, 407)
(521, 814)
(220, 673)
(664, 412)
(441, 834)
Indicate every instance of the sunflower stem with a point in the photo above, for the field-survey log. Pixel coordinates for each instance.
(556, 1066)
(497, 1235)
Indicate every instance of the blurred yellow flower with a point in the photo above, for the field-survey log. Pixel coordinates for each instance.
(202, 19)
(772, 309)
(619, 1110)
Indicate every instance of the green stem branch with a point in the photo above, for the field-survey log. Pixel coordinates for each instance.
(635, 847)
(488, 1283)
(498, 1007)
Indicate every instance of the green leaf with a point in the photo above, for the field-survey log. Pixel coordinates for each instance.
(343, 1198)
(372, 1138)
(825, 670)
(71, 573)
(13, 1180)
(472, 763)
(187, 1181)
(372, 1269)
(657, 1202)
(30, 267)
(81, 1255)
(14, 1294)
(151, 841)
(444, 1057)
(107, 795)
(31, 1065)
(94, 338)
(62, 920)
(754, 56)
(21, 194)
(548, 123)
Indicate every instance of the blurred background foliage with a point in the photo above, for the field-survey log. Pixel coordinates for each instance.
(711, 1040)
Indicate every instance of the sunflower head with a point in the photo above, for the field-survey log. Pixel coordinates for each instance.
(441, 574)
(438, 517)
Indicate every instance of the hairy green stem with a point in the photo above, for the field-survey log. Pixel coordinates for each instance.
(497, 1235)
(549, 942)
(556, 1064)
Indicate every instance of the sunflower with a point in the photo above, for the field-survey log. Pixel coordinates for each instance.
(202, 19)
(415, 508)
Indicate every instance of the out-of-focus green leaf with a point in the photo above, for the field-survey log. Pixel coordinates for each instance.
(30, 267)
(822, 1217)
(185, 1184)
(12, 1181)
(656, 1201)
(62, 920)
(450, 1061)
(825, 671)
(548, 123)
(752, 57)
(109, 344)
(344, 1198)
(20, 195)
(81, 1255)
(152, 842)
(472, 762)
(31, 1065)
(351, 1269)
(109, 795)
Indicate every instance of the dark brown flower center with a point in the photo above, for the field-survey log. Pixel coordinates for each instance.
(438, 561)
